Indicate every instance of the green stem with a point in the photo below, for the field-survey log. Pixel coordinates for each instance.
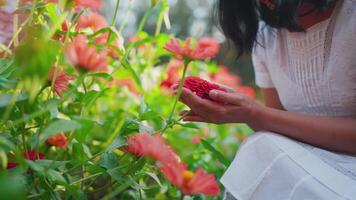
(180, 88)
(114, 19)
(144, 19)
(122, 26)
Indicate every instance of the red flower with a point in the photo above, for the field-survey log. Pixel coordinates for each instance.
(93, 4)
(58, 141)
(201, 87)
(91, 20)
(168, 162)
(172, 73)
(30, 154)
(191, 183)
(205, 49)
(61, 81)
(196, 140)
(86, 57)
(152, 146)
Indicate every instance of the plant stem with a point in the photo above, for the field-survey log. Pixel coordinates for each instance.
(180, 88)
(113, 19)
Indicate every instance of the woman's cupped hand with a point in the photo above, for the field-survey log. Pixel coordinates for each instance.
(224, 107)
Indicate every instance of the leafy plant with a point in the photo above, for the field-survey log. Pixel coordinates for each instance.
(73, 94)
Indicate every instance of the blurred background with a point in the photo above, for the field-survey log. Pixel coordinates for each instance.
(188, 18)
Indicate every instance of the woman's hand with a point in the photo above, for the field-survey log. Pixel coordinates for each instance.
(226, 107)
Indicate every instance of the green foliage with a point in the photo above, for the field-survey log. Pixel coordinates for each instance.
(96, 112)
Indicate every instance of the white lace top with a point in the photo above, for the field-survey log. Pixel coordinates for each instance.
(313, 72)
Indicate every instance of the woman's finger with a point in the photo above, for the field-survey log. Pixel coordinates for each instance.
(198, 105)
(226, 98)
(194, 119)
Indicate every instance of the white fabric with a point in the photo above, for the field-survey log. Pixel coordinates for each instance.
(314, 73)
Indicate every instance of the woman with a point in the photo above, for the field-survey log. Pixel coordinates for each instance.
(304, 54)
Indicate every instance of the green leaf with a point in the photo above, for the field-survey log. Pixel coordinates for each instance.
(6, 144)
(5, 99)
(109, 160)
(117, 143)
(57, 127)
(217, 154)
(102, 75)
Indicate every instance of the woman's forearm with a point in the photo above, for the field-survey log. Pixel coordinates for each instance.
(332, 133)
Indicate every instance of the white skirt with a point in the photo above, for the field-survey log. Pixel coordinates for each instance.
(269, 166)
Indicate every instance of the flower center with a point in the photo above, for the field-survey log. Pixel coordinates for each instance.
(187, 175)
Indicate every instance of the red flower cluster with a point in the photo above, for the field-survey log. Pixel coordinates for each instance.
(206, 48)
(86, 57)
(30, 154)
(60, 141)
(201, 87)
(169, 163)
(61, 80)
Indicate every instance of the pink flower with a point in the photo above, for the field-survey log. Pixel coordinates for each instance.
(61, 81)
(196, 140)
(86, 57)
(93, 4)
(168, 162)
(173, 74)
(191, 183)
(91, 20)
(225, 77)
(204, 50)
(60, 141)
(201, 87)
(249, 91)
(155, 147)
(126, 82)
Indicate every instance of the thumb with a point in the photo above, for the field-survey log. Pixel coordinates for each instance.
(225, 97)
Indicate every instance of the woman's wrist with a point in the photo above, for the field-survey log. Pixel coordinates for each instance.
(259, 118)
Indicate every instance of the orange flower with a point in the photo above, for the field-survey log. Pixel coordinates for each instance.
(86, 57)
(61, 81)
(191, 183)
(58, 141)
(91, 20)
(205, 49)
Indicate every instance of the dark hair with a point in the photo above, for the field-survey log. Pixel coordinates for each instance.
(239, 19)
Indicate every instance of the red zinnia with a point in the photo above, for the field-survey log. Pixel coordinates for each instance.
(205, 49)
(58, 141)
(86, 57)
(30, 154)
(201, 87)
(172, 73)
(191, 183)
(61, 80)
(91, 20)
(155, 147)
